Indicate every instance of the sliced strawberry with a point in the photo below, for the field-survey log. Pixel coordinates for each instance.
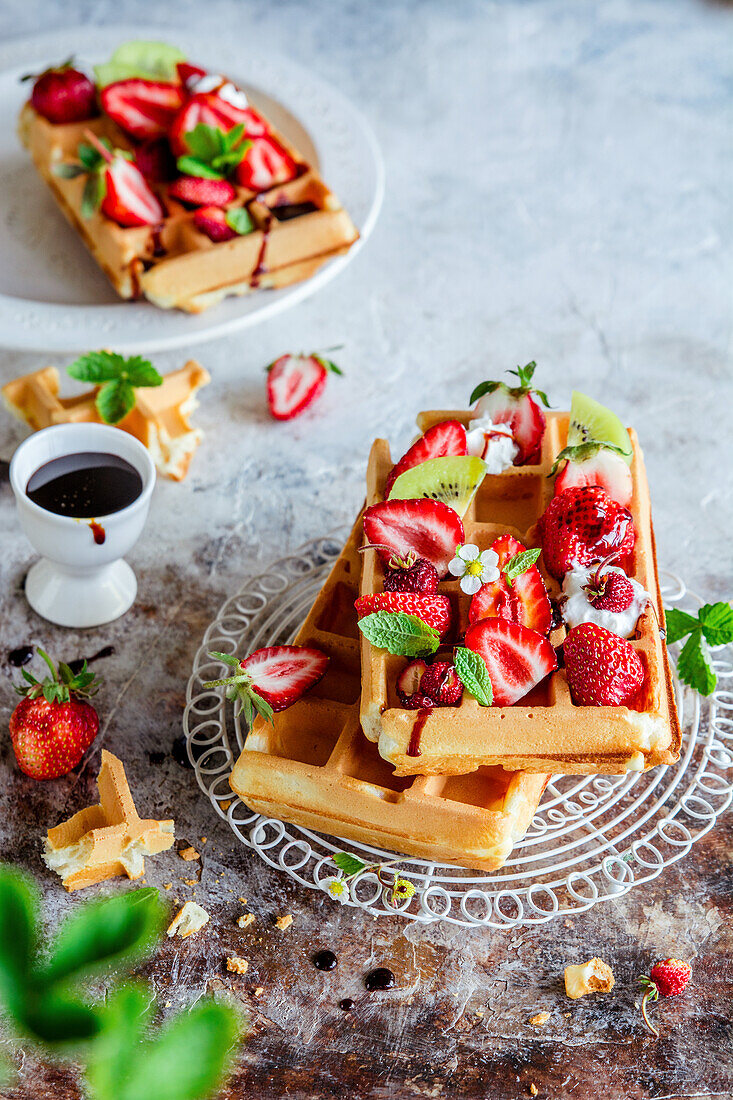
(212, 221)
(143, 108)
(188, 73)
(433, 610)
(282, 673)
(440, 441)
(293, 383)
(428, 528)
(265, 164)
(583, 525)
(202, 192)
(523, 601)
(595, 464)
(408, 682)
(155, 161)
(516, 657)
(518, 407)
(128, 200)
(208, 108)
(603, 670)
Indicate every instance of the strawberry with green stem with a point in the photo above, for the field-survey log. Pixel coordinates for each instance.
(518, 406)
(667, 978)
(114, 184)
(271, 679)
(117, 378)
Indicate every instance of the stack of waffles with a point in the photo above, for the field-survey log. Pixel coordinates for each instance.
(339, 761)
(298, 226)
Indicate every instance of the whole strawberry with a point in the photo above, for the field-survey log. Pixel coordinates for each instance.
(411, 574)
(581, 525)
(440, 683)
(63, 94)
(667, 978)
(52, 726)
(603, 669)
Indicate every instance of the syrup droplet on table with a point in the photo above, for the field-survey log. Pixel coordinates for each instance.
(346, 1005)
(20, 656)
(325, 960)
(381, 978)
(78, 663)
(179, 752)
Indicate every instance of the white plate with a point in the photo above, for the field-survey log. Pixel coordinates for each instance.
(53, 297)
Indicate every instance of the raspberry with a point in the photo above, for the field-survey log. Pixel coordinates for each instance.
(417, 701)
(440, 682)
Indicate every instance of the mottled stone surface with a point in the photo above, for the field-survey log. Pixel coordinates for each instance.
(558, 181)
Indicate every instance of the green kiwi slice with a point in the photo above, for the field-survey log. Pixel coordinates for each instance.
(452, 480)
(589, 420)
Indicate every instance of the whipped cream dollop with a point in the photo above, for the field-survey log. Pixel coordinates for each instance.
(578, 609)
(215, 82)
(492, 442)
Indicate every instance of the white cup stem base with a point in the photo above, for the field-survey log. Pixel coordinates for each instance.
(94, 598)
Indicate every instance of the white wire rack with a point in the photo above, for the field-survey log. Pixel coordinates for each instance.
(593, 837)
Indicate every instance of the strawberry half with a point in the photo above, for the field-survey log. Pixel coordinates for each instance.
(265, 164)
(155, 161)
(202, 192)
(212, 221)
(433, 610)
(427, 528)
(583, 525)
(271, 679)
(128, 200)
(603, 669)
(208, 108)
(440, 441)
(294, 382)
(64, 94)
(516, 657)
(523, 601)
(188, 73)
(516, 406)
(595, 464)
(142, 108)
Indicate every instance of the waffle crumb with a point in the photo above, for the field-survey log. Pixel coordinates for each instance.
(479, 1012)
(225, 804)
(567, 923)
(284, 922)
(258, 991)
(242, 901)
(237, 965)
(540, 1019)
(533, 1090)
(595, 976)
(167, 885)
(189, 853)
(245, 920)
(202, 839)
(190, 881)
(191, 918)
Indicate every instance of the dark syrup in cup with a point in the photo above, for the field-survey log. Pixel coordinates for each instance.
(85, 485)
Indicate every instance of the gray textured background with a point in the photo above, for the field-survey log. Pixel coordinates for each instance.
(558, 183)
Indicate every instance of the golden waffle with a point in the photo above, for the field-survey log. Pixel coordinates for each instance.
(159, 419)
(316, 769)
(173, 264)
(544, 731)
(107, 840)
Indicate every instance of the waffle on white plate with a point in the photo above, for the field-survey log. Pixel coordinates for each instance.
(298, 225)
(545, 731)
(314, 767)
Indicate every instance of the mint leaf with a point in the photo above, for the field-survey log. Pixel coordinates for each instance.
(192, 166)
(114, 401)
(350, 865)
(240, 220)
(57, 1017)
(717, 623)
(94, 191)
(126, 1015)
(141, 372)
(213, 151)
(678, 624)
(19, 905)
(520, 563)
(97, 366)
(474, 675)
(694, 666)
(205, 142)
(106, 933)
(399, 633)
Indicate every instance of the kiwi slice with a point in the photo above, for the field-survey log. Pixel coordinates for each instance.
(452, 480)
(591, 420)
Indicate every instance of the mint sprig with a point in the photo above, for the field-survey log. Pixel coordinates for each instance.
(524, 378)
(712, 626)
(520, 563)
(474, 675)
(213, 153)
(117, 377)
(399, 633)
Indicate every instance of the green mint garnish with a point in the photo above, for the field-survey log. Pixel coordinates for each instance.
(350, 865)
(712, 626)
(520, 563)
(524, 377)
(399, 633)
(213, 153)
(240, 220)
(118, 379)
(474, 675)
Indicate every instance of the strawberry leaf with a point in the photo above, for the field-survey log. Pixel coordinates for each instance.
(694, 666)
(91, 159)
(474, 675)
(328, 364)
(68, 171)
(114, 401)
(240, 220)
(262, 707)
(482, 389)
(399, 633)
(350, 865)
(227, 658)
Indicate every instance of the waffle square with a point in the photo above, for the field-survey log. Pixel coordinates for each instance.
(315, 767)
(545, 731)
(299, 225)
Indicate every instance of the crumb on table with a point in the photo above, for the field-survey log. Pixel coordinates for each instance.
(245, 920)
(284, 922)
(189, 853)
(540, 1019)
(237, 965)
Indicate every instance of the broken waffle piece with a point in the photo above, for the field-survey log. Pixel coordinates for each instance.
(189, 854)
(237, 965)
(595, 976)
(284, 922)
(191, 918)
(108, 839)
(245, 920)
(540, 1019)
(159, 418)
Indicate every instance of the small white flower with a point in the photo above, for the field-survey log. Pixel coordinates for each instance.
(336, 888)
(475, 567)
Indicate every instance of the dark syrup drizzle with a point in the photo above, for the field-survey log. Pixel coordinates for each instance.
(413, 749)
(260, 267)
(78, 663)
(20, 656)
(98, 532)
(379, 979)
(346, 1005)
(325, 960)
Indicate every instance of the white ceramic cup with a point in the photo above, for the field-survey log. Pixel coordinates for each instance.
(77, 582)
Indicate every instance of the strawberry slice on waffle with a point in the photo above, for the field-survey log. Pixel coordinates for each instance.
(427, 528)
(441, 441)
(266, 164)
(523, 600)
(516, 657)
(434, 610)
(142, 108)
(209, 109)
